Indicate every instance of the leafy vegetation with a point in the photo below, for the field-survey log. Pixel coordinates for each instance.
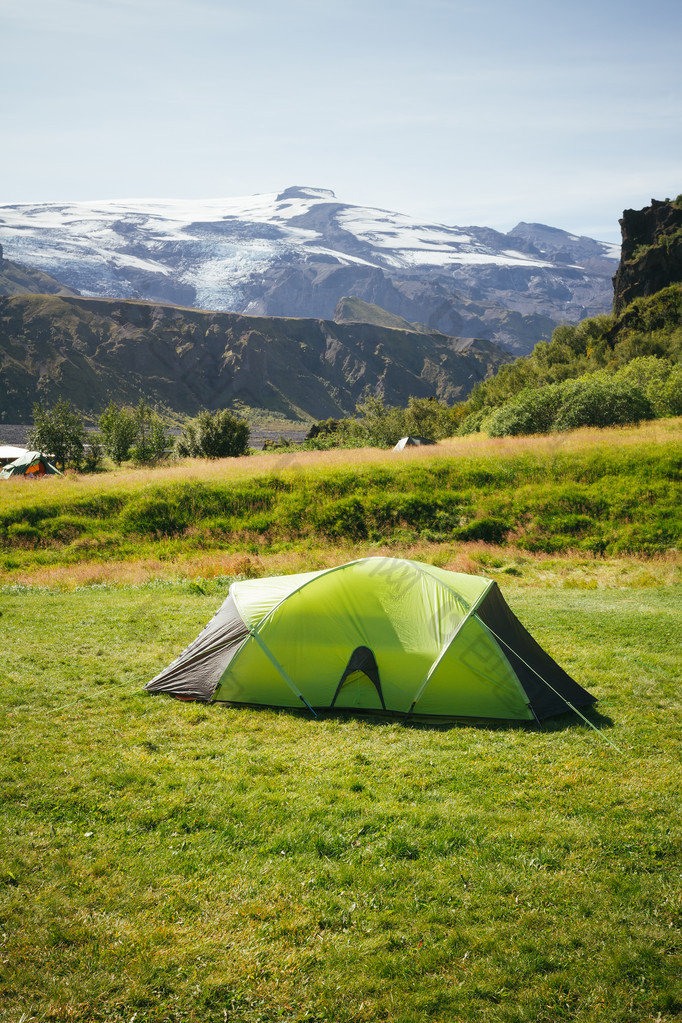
(640, 349)
(597, 400)
(381, 426)
(119, 429)
(59, 432)
(601, 494)
(178, 863)
(214, 435)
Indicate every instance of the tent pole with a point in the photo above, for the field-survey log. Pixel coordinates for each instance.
(271, 657)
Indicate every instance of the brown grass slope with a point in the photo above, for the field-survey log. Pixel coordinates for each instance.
(17, 279)
(95, 350)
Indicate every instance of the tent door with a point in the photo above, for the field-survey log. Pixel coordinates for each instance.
(361, 667)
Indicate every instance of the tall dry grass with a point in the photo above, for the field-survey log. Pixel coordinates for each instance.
(510, 567)
(125, 480)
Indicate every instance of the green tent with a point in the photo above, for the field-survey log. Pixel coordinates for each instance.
(32, 464)
(379, 634)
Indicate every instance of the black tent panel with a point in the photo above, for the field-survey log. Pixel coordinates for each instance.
(196, 673)
(546, 684)
(361, 660)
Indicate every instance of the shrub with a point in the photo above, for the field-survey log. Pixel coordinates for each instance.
(600, 401)
(591, 400)
(218, 434)
(489, 529)
(532, 411)
(670, 397)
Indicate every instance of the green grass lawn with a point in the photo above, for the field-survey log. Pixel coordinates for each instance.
(166, 861)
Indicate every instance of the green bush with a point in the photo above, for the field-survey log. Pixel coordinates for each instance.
(218, 434)
(532, 411)
(488, 529)
(600, 401)
(591, 400)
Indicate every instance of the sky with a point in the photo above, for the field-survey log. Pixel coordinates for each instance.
(466, 113)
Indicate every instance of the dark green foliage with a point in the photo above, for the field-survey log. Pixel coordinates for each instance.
(648, 329)
(119, 429)
(94, 454)
(59, 432)
(151, 439)
(599, 401)
(531, 411)
(325, 428)
(596, 400)
(381, 426)
(219, 434)
(487, 528)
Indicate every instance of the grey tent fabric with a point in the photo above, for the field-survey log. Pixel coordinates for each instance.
(549, 688)
(412, 442)
(195, 674)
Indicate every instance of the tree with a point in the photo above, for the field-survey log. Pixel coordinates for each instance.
(94, 453)
(119, 429)
(59, 432)
(218, 434)
(151, 439)
(384, 424)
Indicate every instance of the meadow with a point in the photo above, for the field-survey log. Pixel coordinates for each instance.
(594, 492)
(168, 861)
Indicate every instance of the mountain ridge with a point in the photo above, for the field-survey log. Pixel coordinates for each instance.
(94, 350)
(17, 279)
(298, 251)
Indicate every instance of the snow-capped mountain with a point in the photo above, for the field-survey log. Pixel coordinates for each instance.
(298, 252)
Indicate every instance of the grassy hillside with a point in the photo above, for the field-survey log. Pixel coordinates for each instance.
(170, 863)
(17, 279)
(353, 310)
(643, 344)
(599, 492)
(92, 351)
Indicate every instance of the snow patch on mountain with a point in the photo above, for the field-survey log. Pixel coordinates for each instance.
(298, 251)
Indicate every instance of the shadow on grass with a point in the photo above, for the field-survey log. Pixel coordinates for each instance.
(559, 723)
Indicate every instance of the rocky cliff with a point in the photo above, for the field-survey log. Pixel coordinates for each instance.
(651, 255)
(95, 350)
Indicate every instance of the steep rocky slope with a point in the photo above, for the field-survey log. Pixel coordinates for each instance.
(94, 350)
(17, 279)
(651, 255)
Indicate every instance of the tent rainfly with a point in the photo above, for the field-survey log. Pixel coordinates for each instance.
(31, 464)
(379, 634)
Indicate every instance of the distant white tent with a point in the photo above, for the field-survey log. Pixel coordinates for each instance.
(9, 453)
(412, 442)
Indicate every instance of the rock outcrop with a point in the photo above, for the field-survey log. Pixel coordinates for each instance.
(651, 255)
